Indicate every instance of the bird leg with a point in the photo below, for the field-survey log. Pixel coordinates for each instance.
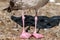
(35, 34)
(24, 34)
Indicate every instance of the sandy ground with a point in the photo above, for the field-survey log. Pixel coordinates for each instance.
(9, 30)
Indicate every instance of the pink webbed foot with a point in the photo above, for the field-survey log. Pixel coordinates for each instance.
(25, 35)
(36, 35)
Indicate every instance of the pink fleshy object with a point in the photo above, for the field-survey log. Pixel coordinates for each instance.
(25, 35)
(36, 35)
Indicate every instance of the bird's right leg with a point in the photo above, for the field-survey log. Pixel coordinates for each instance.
(24, 33)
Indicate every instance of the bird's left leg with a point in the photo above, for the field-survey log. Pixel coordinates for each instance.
(35, 34)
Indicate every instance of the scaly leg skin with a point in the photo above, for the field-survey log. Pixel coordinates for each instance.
(35, 34)
(24, 35)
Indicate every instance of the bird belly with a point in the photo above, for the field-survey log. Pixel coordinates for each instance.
(30, 3)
